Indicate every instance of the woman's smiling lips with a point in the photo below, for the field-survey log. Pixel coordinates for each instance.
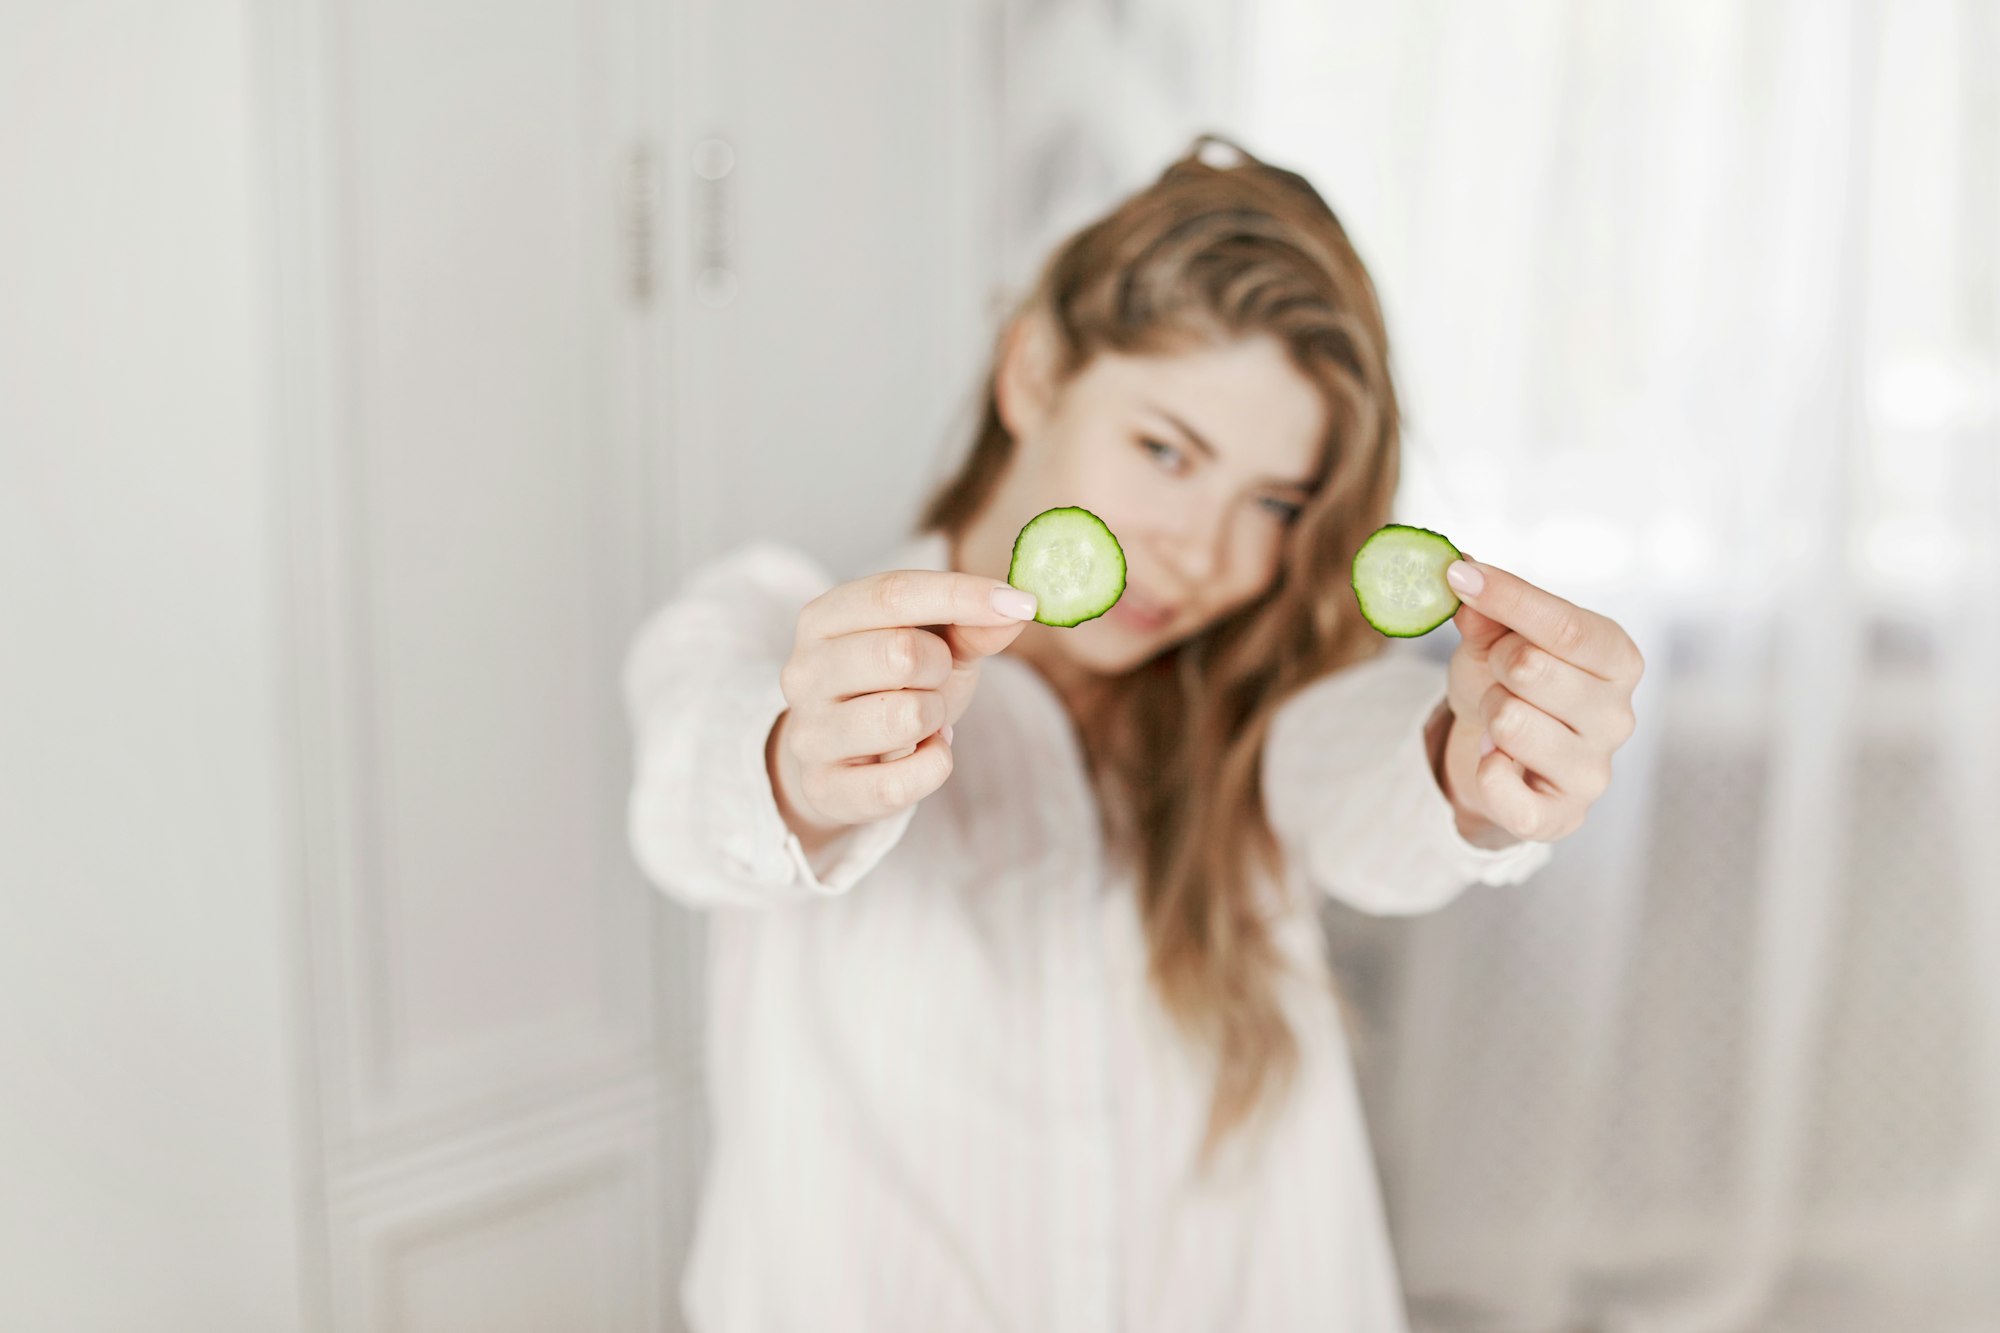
(1134, 608)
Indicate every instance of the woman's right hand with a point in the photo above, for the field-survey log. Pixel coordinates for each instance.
(880, 669)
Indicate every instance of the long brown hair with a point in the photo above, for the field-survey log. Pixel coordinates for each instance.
(1209, 253)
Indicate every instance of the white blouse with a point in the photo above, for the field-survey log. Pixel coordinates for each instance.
(943, 1095)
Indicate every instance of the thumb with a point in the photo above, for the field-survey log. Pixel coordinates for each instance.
(1477, 630)
(969, 643)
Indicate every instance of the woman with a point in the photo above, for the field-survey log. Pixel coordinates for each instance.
(1019, 1015)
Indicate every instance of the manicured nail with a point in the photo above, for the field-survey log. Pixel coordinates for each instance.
(1466, 578)
(947, 733)
(1013, 602)
(1486, 745)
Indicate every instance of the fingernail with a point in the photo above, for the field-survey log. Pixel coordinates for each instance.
(947, 733)
(1486, 745)
(1466, 578)
(1013, 602)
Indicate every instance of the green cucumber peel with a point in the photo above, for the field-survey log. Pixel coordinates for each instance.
(1069, 559)
(1399, 580)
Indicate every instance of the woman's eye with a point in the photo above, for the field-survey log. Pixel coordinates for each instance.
(1285, 511)
(1165, 453)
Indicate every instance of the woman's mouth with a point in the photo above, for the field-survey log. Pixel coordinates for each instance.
(1141, 612)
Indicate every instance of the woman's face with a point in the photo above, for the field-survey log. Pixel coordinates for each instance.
(1197, 460)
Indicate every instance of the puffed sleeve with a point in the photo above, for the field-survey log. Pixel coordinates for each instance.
(700, 684)
(1350, 793)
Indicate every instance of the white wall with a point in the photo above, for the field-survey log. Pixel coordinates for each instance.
(145, 1063)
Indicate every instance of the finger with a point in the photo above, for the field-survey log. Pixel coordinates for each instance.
(1571, 695)
(871, 790)
(1577, 636)
(913, 597)
(870, 725)
(1477, 631)
(890, 758)
(872, 661)
(1516, 807)
(1568, 764)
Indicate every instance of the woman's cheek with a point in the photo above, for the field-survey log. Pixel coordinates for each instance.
(1254, 566)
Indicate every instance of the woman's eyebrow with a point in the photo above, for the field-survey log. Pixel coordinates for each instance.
(1302, 484)
(1182, 427)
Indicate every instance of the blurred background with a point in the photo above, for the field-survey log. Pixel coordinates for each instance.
(368, 368)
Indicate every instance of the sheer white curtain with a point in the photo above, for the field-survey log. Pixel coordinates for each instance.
(1697, 310)
(1696, 307)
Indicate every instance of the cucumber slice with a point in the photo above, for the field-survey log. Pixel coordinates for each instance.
(1399, 580)
(1071, 562)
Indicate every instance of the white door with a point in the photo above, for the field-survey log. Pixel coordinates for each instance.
(467, 390)
(572, 294)
(836, 262)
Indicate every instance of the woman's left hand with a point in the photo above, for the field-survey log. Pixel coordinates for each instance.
(1540, 695)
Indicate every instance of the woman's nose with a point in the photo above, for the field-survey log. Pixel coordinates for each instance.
(1198, 554)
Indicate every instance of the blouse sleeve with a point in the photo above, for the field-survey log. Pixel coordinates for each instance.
(700, 683)
(1351, 795)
